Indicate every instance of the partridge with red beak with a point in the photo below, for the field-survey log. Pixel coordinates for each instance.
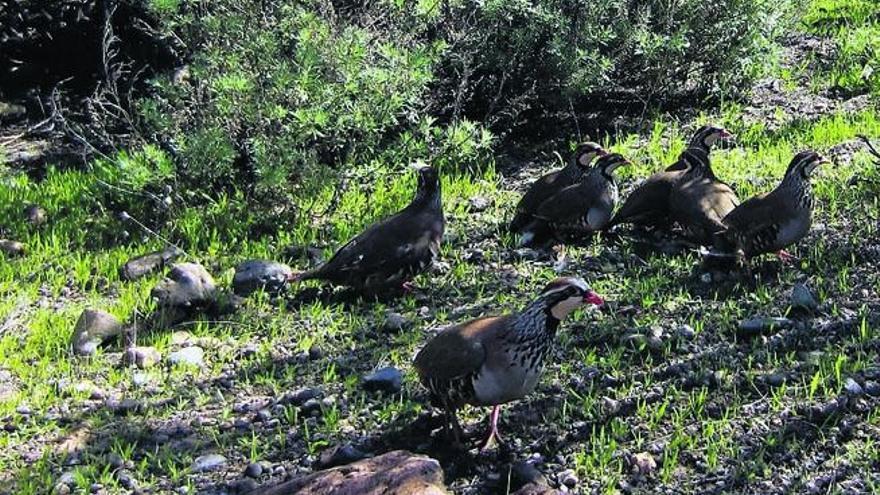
(497, 359)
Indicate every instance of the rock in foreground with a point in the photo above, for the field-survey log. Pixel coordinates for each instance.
(398, 472)
(11, 248)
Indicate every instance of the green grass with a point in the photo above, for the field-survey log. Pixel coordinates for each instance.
(43, 293)
(717, 418)
(854, 26)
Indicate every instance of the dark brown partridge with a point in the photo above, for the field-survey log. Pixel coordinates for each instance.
(648, 204)
(555, 181)
(389, 253)
(494, 360)
(578, 210)
(700, 204)
(772, 221)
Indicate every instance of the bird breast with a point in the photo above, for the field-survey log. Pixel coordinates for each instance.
(512, 377)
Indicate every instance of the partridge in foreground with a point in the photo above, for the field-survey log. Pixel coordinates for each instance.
(772, 221)
(648, 204)
(494, 360)
(700, 204)
(578, 210)
(552, 183)
(389, 253)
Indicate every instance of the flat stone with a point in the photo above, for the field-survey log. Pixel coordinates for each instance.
(802, 297)
(192, 356)
(568, 478)
(395, 322)
(398, 472)
(35, 215)
(388, 379)
(758, 326)
(205, 463)
(301, 396)
(92, 329)
(124, 406)
(187, 285)
(872, 388)
(142, 357)
(253, 275)
(853, 388)
(11, 248)
(148, 263)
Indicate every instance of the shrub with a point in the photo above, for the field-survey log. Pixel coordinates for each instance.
(279, 98)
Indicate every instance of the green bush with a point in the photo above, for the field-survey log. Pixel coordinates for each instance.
(279, 98)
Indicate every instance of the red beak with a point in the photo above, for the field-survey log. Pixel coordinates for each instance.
(593, 298)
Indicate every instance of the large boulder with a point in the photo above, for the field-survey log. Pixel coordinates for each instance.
(188, 285)
(395, 473)
(93, 328)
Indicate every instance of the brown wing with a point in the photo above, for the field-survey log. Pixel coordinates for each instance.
(648, 203)
(755, 224)
(700, 206)
(538, 192)
(458, 351)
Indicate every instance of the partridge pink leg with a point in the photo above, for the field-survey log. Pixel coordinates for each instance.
(785, 256)
(493, 428)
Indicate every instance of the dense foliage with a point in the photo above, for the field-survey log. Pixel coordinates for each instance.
(276, 94)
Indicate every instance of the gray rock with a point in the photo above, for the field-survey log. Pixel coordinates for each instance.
(210, 462)
(253, 275)
(245, 485)
(338, 455)
(92, 329)
(140, 379)
(388, 379)
(686, 332)
(479, 203)
(644, 463)
(124, 406)
(253, 470)
(853, 388)
(872, 388)
(568, 478)
(301, 396)
(758, 326)
(11, 248)
(523, 473)
(126, 480)
(802, 297)
(35, 215)
(395, 322)
(187, 285)
(191, 356)
(142, 357)
(148, 263)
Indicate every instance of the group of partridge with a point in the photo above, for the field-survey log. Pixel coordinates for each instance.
(493, 360)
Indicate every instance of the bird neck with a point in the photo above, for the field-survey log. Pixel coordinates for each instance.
(537, 322)
(795, 184)
(429, 197)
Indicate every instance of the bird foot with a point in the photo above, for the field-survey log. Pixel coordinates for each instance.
(786, 257)
(493, 437)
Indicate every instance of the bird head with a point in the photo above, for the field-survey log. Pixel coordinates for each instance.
(708, 135)
(428, 180)
(608, 163)
(565, 294)
(804, 163)
(585, 153)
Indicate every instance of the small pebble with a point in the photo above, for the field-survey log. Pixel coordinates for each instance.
(388, 379)
(568, 478)
(209, 462)
(253, 470)
(853, 388)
